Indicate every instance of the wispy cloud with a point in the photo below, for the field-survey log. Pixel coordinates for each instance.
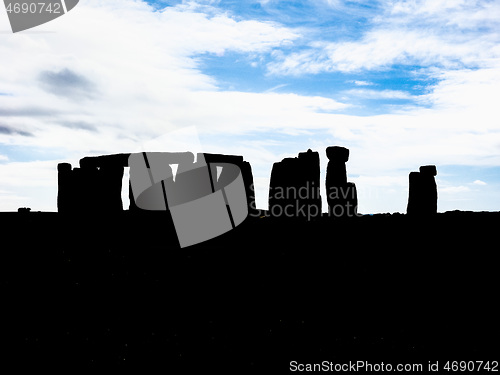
(427, 33)
(363, 83)
(67, 84)
(7, 130)
(23, 111)
(381, 48)
(378, 94)
(79, 125)
(272, 89)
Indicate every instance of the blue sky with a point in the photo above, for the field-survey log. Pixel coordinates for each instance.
(401, 83)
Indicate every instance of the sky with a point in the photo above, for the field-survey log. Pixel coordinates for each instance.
(401, 83)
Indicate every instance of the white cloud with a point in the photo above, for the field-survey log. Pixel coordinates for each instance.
(467, 89)
(446, 34)
(381, 48)
(460, 13)
(379, 94)
(479, 182)
(363, 83)
(28, 184)
(142, 65)
(41, 174)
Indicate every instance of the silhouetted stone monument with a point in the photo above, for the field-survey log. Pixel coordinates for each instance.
(342, 196)
(422, 194)
(92, 188)
(96, 186)
(294, 189)
(218, 160)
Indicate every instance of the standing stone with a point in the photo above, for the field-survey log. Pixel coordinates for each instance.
(89, 187)
(336, 174)
(309, 190)
(100, 183)
(216, 160)
(422, 194)
(414, 197)
(78, 201)
(342, 196)
(246, 172)
(282, 183)
(110, 179)
(65, 188)
(294, 189)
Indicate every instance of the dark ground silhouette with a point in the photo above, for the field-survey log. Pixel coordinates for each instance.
(97, 286)
(87, 293)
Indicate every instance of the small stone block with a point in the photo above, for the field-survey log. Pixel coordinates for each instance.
(64, 167)
(428, 170)
(337, 153)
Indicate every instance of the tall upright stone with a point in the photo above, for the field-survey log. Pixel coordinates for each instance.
(422, 192)
(309, 191)
(342, 196)
(101, 181)
(414, 196)
(65, 191)
(218, 160)
(110, 179)
(282, 182)
(294, 189)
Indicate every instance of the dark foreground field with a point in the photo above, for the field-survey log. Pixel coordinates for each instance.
(118, 291)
